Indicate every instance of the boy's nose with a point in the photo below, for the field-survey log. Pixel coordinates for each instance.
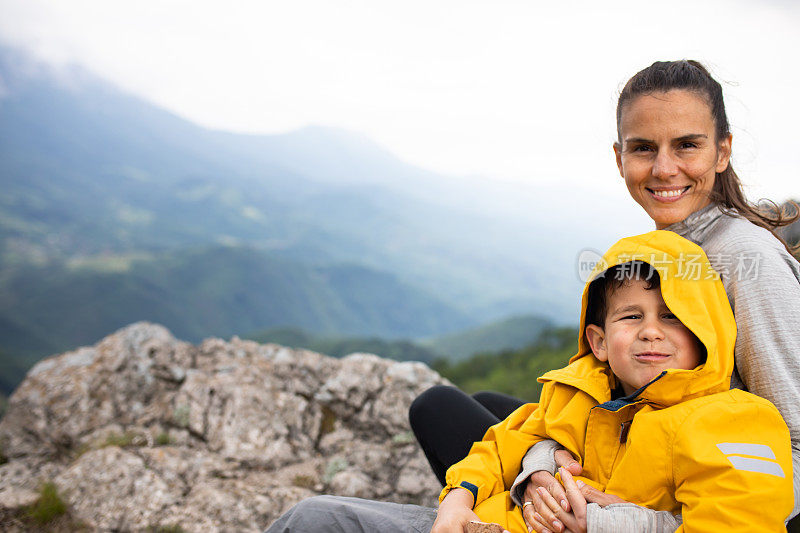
(651, 331)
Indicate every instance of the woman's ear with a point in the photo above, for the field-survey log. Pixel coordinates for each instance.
(618, 156)
(724, 153)
(597, 340)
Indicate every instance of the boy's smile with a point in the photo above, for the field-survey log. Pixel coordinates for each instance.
(642, 337)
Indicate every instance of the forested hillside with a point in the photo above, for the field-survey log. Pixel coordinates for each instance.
(513, 372)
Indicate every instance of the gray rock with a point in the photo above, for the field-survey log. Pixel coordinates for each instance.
(15, 498)
(145, 431)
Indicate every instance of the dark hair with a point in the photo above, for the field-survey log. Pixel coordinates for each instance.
(612, 279)
(686, 74)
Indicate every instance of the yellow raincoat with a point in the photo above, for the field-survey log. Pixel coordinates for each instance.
(684, 443)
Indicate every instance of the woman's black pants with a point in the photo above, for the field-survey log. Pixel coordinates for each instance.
(446, 421)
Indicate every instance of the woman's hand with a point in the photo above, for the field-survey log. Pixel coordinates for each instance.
(455, 512)
(547, 522)
(571, 522)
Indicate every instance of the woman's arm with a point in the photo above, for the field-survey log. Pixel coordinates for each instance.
(763, 287)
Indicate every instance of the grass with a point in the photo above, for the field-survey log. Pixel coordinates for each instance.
(334, 466)
(328, 423)
(166, 529)
(48, 507)
(306, 482)
(181, 416)
(115, 439)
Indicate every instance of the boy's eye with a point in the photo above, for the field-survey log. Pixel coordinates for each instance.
(630, 317)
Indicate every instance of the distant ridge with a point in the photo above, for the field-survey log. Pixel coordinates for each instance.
(510, 334)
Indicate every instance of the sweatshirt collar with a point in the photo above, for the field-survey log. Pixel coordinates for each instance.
(696, 226)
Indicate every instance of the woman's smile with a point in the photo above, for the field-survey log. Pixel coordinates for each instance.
(668, 194)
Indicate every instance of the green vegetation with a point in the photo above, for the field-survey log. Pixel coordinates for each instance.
(404, 438)
(48, 507)
(123, 440)
(163, 439)
(512, 333)
(174, 528)
(181, 416)
(334, 466)
(196, 293)
(328, 422)
(306, 482)
(513, 372)
(791, 233)
(3, 403)
(399, 350)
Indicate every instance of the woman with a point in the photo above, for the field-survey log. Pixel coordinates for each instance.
(673, 151)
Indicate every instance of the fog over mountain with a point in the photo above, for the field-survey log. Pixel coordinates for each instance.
(113, 210)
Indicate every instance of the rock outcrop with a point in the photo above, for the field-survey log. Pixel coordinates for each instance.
(145, 431)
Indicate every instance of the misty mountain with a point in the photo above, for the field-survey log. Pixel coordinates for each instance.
(87, 169)
(114, 210)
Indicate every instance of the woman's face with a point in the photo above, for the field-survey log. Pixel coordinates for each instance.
(669, 154)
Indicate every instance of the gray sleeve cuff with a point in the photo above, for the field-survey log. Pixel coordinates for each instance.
(629, 517)
(540, 456)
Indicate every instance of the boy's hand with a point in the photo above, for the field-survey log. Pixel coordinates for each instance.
(546, 521)
(599, 497)
(455, 512)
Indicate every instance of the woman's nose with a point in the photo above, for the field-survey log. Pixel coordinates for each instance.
(664, 165)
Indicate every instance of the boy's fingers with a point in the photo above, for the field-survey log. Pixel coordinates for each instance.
(551, 484)
(564, 459)
(574, 495)
(599, 497)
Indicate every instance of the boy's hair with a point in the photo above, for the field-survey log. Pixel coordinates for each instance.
(612, 279)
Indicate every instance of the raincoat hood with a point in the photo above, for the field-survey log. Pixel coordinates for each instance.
(692, 290)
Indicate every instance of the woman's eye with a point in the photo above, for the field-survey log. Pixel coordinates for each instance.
(641, 148)
(670, 316)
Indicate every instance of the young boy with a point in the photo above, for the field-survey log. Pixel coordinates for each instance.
(644, 406)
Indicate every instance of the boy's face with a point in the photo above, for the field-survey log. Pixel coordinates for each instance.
(642, 337)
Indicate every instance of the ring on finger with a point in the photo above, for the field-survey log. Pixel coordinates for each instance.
(524, 505)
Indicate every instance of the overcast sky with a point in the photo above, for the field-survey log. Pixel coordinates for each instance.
(521, 91)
